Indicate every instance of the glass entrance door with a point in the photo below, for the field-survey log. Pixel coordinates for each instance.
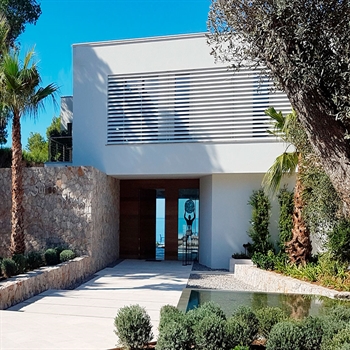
(188, 225)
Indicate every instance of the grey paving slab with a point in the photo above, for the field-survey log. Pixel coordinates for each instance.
(83, 318)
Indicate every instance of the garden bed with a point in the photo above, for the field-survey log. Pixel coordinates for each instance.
(21, 287)
(268, 281)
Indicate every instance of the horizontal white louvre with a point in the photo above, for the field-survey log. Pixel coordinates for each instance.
(201, 105)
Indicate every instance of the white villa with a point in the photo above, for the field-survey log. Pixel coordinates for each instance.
(167, 121)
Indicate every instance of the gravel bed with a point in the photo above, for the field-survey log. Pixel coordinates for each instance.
(204, 277)
(223, 281)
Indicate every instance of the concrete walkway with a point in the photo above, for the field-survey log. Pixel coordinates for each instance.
(83, 318)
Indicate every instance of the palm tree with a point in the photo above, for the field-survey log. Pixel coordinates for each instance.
(20, 94)
(299, 247)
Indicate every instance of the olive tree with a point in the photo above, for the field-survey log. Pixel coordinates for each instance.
(304, 47)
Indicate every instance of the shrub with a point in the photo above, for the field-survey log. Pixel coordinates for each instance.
(239, 347)
(242, 327)
(285, 335)
(169, 313)
(50, 257)
(339, 241)
(264, 261)
(176, 334)
(341, 341)
(34, 260)
(209, 309)
(210, 333)
(312, 333)
(268, 317)
(21, 263)
(331, 326)
(133, 327)
(8, 267)
(285, 222)
(259, 231)
(66, 255)
(59, 250)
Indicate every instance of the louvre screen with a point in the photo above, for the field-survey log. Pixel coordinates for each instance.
(202, 105)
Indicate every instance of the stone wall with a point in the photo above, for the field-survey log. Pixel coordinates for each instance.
(21, 287)
(77, 207)
(268, 281)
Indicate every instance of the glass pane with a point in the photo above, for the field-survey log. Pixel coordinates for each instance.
(188, 225)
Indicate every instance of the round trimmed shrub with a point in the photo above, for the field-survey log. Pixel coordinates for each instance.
(66, 255)
(242, 327)
(268, 317)
(175, 334)
(8, 267)
(285, 335)
(169, 313)
(133, 327)
(21, 263)
(34, 260)
(209, 308)
(210, 333)
(312, 333)
(50, 257)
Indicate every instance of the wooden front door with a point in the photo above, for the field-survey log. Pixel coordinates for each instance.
(147, 228)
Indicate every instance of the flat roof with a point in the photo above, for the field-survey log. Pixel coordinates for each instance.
(142, 40)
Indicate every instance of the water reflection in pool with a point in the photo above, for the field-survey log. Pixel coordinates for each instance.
(296, 305)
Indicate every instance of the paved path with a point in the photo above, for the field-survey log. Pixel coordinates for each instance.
(83, 318)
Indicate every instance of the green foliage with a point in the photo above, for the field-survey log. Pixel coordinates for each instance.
(323, 203)
(268, 317)
(242, 327)
(330, 329)
(8, 267)
(34, 260)
(66, 255)
(21, 263)
(18, 14)
(169, 313)
(51, 257)
(3, 125)
(259, 231)
(210, 333)
(312, 333)
(239, 347)
(175, 332)
(339, 241)
(36, 149)
(207, 309)
(341, 340)
(54, 129)
(285, 222)
(264, 261)
(133, 327)
(285, 335)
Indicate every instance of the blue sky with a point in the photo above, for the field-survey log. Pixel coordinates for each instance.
(66, 22)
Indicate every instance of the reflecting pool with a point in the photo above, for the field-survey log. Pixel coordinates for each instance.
(295, 305)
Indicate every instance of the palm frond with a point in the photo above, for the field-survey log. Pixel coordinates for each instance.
(285, 164)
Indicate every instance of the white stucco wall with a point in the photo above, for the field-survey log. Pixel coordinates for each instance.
(225, 216)
(92, 63)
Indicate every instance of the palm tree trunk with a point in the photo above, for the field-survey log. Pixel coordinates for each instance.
(17, 233)
(299, 247)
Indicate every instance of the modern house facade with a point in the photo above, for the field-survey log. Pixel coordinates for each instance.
(169, 122)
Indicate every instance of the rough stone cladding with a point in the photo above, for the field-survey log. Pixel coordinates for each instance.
(77, 207)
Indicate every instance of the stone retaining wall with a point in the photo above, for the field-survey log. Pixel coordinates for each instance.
(21, 287)
(268, 281)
